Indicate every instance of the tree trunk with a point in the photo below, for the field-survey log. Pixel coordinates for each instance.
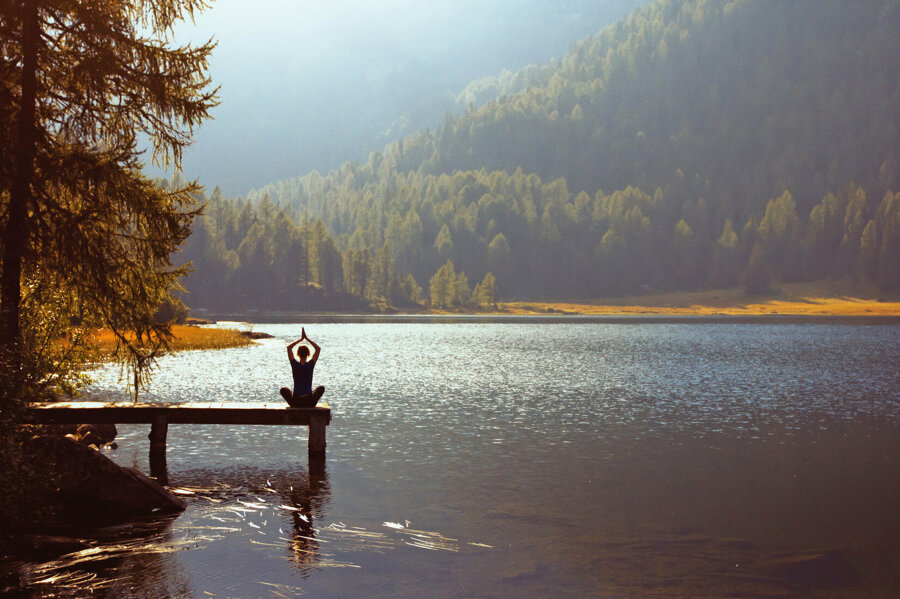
(16, 233)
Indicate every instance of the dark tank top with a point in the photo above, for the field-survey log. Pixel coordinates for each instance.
(303, 374)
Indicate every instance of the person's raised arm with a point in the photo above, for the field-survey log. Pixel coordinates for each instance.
(291, 347)
(315, 347)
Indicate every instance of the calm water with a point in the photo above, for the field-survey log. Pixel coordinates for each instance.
(526, 459)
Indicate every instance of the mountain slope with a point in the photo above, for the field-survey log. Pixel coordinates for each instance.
(310, 85)
(747, 139)
(752, 95)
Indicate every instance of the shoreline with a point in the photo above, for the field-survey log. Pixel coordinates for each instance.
(821, 299)
(790, 303)
(496, 317)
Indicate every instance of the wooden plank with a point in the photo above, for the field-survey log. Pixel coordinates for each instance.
(130, 413)
(111, 414)
(160, 415)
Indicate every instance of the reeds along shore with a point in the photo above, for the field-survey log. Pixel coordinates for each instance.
(184, 337)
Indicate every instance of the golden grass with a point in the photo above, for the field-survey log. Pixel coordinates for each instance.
(184, 338)
(800, 299)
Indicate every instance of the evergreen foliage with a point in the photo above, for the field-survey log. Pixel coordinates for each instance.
(259, 256)
(743, 142)
(86, 239)
(81, 225)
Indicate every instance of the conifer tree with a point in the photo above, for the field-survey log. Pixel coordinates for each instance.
(485, 293)
(461, 293)
(410, 290)
(441, 288)
(81, 81)
(724, 265)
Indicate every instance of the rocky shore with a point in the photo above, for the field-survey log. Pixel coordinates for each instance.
(90, 487)
(72, 483)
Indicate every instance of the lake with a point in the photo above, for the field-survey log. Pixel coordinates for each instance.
(526, 458)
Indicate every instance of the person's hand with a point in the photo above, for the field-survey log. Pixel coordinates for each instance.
(302, 332)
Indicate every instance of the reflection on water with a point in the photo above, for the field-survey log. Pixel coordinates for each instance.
(520, 459)
(229, 528)
(136, 559)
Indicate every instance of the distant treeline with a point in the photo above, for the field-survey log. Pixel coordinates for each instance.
(258, 256)
(749, 140)
(521, 237)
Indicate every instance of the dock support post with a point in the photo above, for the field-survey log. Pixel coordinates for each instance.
(158, 430)
(158, 469)
(317, 435)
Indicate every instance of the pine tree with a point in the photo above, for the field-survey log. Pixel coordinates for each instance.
(443, 243)
(685, 255)
(889, 257)
(757, 276)
(409, 291)
(499, 256)
(724, 268)
(779, 236)
(80, 81)
(461, 294)
(382, 273)
(441, 288)
(868, 250)
(357, 271)
(485, 293)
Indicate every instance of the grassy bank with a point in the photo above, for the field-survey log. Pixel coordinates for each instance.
(801, 299)
(832, 298)
(185, 337)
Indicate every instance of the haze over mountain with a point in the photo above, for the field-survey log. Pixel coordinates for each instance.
(311, 85)
(698, 143)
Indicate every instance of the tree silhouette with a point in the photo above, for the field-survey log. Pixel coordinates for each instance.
(81, 81)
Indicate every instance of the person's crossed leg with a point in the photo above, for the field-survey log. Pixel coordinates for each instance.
(308, 400)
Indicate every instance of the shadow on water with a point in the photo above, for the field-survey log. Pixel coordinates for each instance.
(240, 516)
(134, 559)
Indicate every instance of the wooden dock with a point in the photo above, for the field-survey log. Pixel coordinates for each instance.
(160, 415)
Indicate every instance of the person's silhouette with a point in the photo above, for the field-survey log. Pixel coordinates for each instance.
(302, 367)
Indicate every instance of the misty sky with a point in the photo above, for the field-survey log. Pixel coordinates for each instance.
(311, 84)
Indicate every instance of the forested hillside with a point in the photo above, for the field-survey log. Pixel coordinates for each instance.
(334, 80)
(699, 143)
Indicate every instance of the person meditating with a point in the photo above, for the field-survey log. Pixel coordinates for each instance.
(302, 369)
